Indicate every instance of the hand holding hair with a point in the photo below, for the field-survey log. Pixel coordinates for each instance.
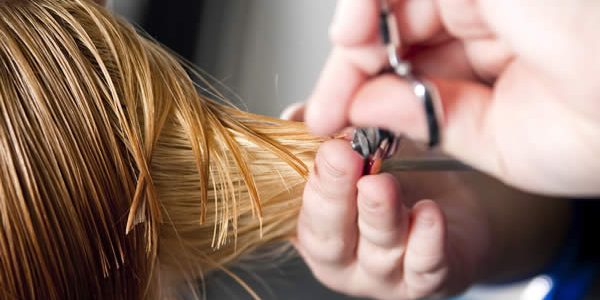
(518, 86)
(360, 236)
(411, 235)
(416, 235)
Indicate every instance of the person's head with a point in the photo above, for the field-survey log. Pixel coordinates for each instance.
(117, 178)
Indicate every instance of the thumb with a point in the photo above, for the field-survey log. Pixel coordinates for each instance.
(390, 102)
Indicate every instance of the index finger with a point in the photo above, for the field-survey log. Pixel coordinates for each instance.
(345, 71)
(358, 55)
(356, 23)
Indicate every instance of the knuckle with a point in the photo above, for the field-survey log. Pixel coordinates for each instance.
(325, 166)
(427, 264)
(379, 262)
(386, 236)
(336, 163)
(324, 247)
(323, 192)
(331, 251)
(372, 206)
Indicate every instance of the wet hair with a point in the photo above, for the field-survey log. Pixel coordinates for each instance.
(119, 178)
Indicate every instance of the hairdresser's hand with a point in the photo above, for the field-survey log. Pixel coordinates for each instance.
(379, 238)
(518, 79)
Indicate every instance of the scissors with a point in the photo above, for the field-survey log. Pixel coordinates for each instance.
(376, 144)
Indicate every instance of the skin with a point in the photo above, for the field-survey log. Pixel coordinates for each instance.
(412, 235)
(518, 82)
(518, 86)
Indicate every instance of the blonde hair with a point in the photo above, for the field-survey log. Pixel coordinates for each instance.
(118, 178)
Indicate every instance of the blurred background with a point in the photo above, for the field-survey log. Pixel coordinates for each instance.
(268, 53)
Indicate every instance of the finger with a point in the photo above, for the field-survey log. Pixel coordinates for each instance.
(352, 62)
(497, 56)
(327, 221)
(463, 19)
(382, 224)
(390, 102)
(345, 71)
(474, 59)
(294, 112)
(348, 13)
(425, 262)
(417, 20)
(381, 213)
